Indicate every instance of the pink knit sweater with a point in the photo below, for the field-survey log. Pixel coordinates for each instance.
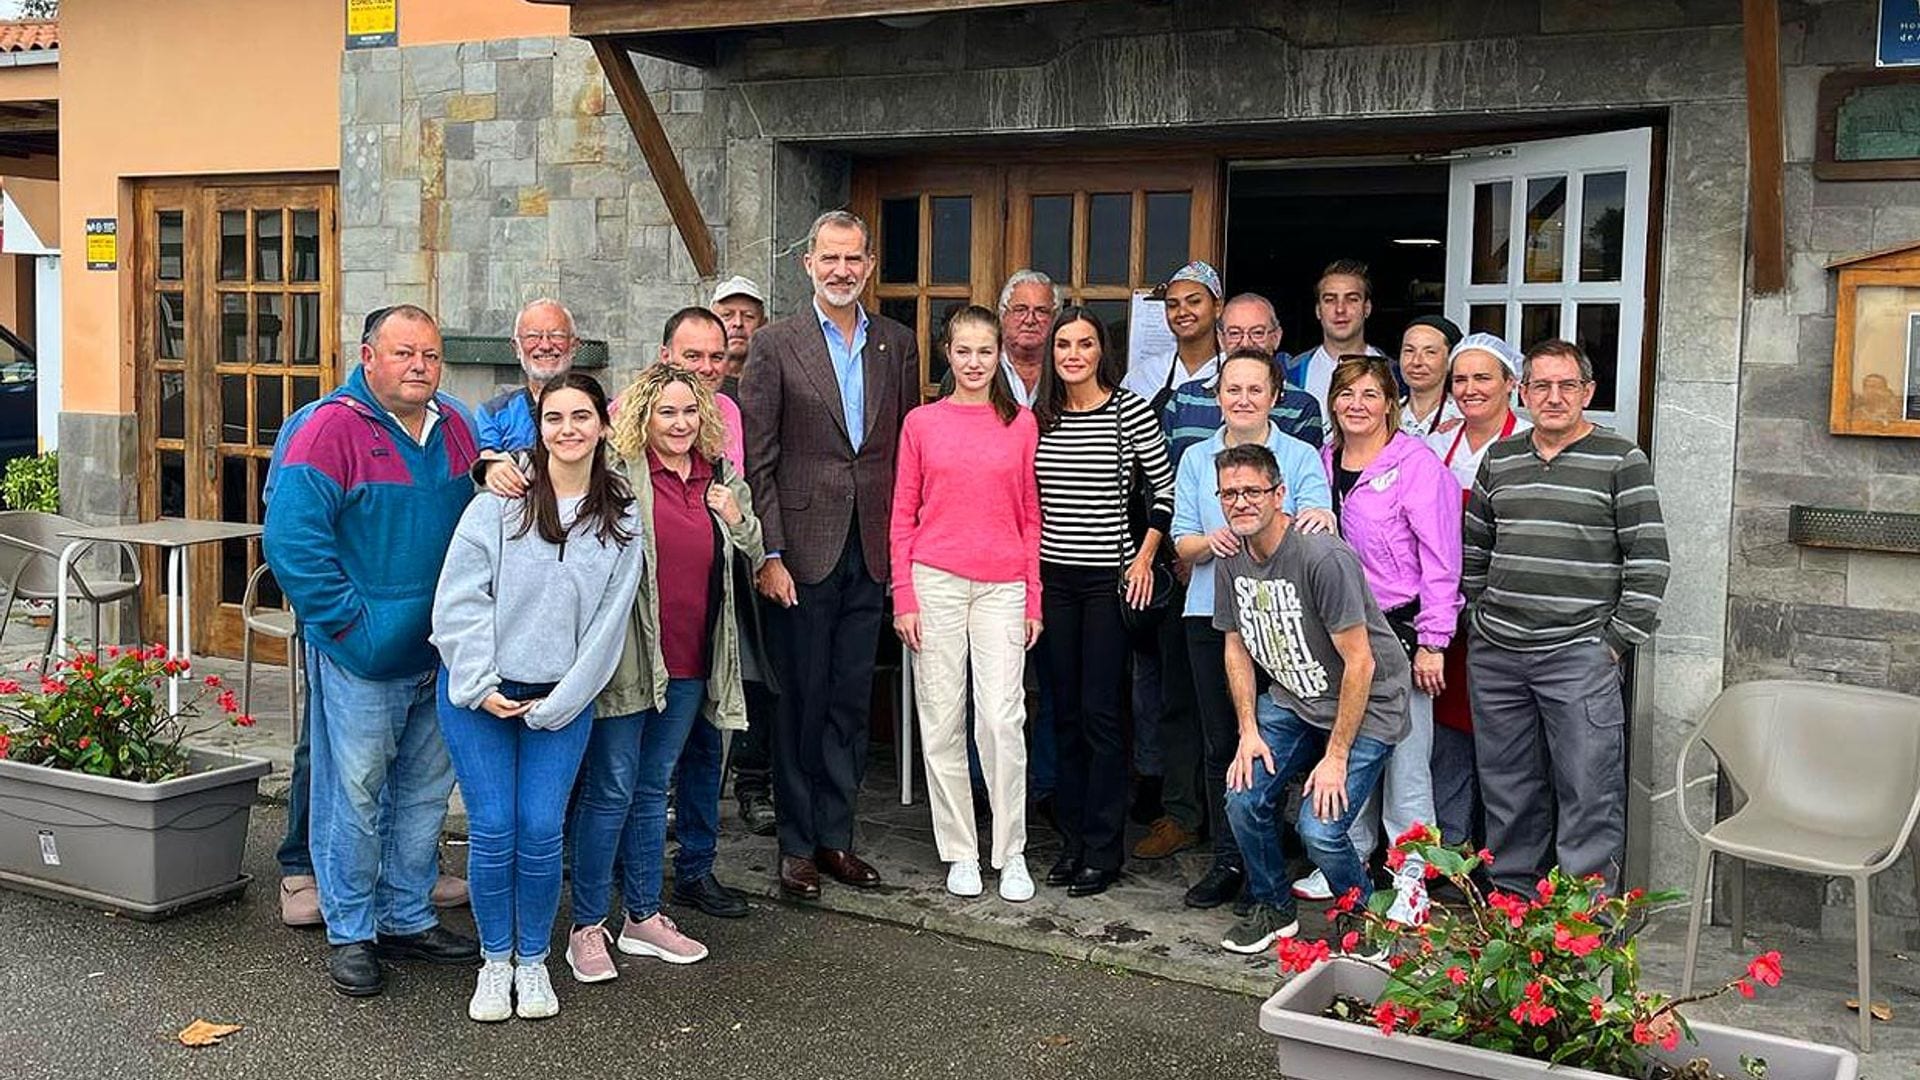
(965, 500)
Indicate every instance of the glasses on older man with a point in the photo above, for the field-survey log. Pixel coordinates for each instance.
(1023, 312)
(553, 337)
(1541, 388)
(1233, 496)
(1252, 335)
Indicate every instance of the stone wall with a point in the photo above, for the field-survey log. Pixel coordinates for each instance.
(1814, 613)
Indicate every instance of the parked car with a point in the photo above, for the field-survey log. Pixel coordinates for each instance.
(19, 398)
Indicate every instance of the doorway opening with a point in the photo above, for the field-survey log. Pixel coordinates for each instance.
(1286, 220)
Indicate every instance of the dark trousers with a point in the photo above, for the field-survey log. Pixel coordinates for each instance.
(1182, 749)
(294, 859)
(1219, 728)
(751, 757)
(827, 644)
(1085, 645)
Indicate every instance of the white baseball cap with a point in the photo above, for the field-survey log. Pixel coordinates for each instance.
(736, 286)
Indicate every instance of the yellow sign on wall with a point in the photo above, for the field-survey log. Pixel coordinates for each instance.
(103, 243)
(373, 24)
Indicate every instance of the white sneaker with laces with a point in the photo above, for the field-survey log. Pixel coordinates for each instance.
(1313, 887)
(492, 999)
(963, 877)
(533, 994)
(1016, 885)
(1410, 902)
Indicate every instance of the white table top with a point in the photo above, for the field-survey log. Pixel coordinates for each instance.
(168, 532)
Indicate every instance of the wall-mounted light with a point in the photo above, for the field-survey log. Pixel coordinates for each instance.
(1417, 241)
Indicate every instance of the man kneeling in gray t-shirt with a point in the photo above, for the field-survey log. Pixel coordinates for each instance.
(1297, 604)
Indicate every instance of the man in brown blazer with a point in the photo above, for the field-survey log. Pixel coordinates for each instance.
(822, 398)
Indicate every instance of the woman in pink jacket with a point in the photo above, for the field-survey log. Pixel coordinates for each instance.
(1399, 508)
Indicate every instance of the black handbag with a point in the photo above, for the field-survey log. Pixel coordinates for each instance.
(1141, 624)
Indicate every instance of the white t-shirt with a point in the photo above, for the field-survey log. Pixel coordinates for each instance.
(1419, 428)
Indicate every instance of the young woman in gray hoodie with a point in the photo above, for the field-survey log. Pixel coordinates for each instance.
(530, 617)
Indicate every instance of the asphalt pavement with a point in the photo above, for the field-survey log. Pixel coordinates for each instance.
(788, 993)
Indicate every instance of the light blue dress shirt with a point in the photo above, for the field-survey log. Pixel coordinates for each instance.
(848, 370)
(1196, 509)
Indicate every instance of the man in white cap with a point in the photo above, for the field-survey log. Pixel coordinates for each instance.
(742, 309)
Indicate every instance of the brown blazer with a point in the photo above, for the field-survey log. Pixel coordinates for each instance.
(806, 477)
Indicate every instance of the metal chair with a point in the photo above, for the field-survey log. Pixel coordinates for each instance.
(1831, 780)
(30, 546)
(275, 623)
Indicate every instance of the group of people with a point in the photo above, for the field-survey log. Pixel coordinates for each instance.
(1376, 580)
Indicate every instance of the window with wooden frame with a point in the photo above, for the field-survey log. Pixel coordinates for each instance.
(236, 328)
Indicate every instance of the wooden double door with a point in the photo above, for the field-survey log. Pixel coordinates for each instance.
(948, 234)
(236, 327)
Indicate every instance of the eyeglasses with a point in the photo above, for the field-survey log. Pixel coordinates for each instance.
(1566, 387)
(1023, 312)
(1238, 334)
(556, 337)
(1231, 496)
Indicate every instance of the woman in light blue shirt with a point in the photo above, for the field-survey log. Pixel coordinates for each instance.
(1246, 388)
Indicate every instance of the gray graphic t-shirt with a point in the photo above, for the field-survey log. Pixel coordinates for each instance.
(1288, 608)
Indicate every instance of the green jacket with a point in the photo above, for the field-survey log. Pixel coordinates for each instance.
(640, 681)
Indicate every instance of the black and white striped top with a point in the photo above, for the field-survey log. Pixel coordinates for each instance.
(1084, 466)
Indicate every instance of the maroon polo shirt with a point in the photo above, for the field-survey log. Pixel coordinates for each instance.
(683, 544)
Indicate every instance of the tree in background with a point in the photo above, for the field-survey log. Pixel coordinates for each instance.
(39, 9)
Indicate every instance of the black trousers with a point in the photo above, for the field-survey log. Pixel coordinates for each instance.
(1219, 728)
(827, 644)
(1182, 744)
(750, 756)
(1086, 652)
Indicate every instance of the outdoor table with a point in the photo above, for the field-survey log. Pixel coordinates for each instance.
(172, 535)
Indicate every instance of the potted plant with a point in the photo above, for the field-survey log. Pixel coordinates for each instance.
(101, 798)
(33, 483)
(1507, 987)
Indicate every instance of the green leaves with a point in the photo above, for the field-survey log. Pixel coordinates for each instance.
(104, 714)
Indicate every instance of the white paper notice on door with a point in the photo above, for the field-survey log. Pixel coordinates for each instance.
(49, 851)
(1150, 342)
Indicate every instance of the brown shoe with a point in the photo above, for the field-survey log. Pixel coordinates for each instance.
(300, 901)
(449, 891)
(1165, 838)
(799, 878)
(847, 868)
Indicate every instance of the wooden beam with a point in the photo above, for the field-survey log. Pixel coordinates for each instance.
(654, 146)
(1766, 147)
(593, 18)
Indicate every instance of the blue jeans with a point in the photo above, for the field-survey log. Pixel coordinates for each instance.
(515, 780)
(381, 778)
(622, 805)
(1298, 746)
(696, 802)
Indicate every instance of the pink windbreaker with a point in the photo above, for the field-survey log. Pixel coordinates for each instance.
(1403, 519)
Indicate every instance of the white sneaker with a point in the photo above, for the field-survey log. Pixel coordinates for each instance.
(1016, 885)
(533, 994)
(1313, 887)
(492, 993)
(1410, 903)
(963, 877)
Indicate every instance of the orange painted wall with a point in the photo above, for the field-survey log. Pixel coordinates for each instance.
(199, 87)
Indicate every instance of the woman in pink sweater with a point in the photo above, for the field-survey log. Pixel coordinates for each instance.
(966, 593)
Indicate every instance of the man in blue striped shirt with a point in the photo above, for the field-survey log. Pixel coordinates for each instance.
(1564, 571)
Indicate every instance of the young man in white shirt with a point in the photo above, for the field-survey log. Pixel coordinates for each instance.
(1343, 299)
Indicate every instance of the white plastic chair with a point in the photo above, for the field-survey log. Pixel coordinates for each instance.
(270, 622)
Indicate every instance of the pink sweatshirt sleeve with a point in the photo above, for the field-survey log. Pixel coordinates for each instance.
(1030, 514)
(906, 516)
(1431, 503)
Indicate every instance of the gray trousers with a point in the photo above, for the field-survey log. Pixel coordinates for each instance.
(1549, 733)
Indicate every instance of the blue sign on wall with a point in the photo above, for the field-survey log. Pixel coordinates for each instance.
(1899, 33)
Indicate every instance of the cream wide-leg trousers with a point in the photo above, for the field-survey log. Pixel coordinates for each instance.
(976, 627)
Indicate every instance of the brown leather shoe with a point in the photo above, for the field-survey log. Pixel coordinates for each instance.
(1165, 838)
(847, 868)
(799, 878)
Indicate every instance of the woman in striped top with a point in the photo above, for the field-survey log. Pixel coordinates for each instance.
(1093, 436)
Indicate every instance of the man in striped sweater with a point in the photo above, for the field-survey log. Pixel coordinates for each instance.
(1565, 567)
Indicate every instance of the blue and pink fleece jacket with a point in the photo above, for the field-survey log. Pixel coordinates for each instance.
(358, 524)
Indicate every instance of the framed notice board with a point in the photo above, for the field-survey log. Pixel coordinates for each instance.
(1869, 125)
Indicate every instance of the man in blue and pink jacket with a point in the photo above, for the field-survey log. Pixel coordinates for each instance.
(366, 497)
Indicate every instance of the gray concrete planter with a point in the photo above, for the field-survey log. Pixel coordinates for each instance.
(1314, 1047)
(146, 850)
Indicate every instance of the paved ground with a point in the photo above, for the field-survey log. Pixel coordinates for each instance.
(788, 993)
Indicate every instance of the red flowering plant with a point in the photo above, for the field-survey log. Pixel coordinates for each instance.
(1549, 976)
(107, 714)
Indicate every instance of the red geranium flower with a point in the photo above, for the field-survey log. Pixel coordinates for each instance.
(1597, 1008)
(1544, 890)
(1765, 968)
(1458, 975)
(1577, 944)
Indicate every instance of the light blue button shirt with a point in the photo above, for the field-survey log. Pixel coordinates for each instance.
(848, 370)
(1196, 509)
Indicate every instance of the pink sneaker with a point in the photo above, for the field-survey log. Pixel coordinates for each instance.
(657, 936)
(587, 954)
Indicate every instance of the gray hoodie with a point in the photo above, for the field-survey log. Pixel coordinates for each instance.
(519, 608)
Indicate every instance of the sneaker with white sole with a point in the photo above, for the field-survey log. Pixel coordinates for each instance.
(658, 937)
(587, 954)
(1263, 926)
(963, 877)
(1016, 885)
(533, 996)
(1410, 903)
(1313, 887)
(492, 999)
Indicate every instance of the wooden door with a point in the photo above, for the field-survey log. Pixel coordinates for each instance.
(937, 231)
(1105, 230)
(237, 328)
